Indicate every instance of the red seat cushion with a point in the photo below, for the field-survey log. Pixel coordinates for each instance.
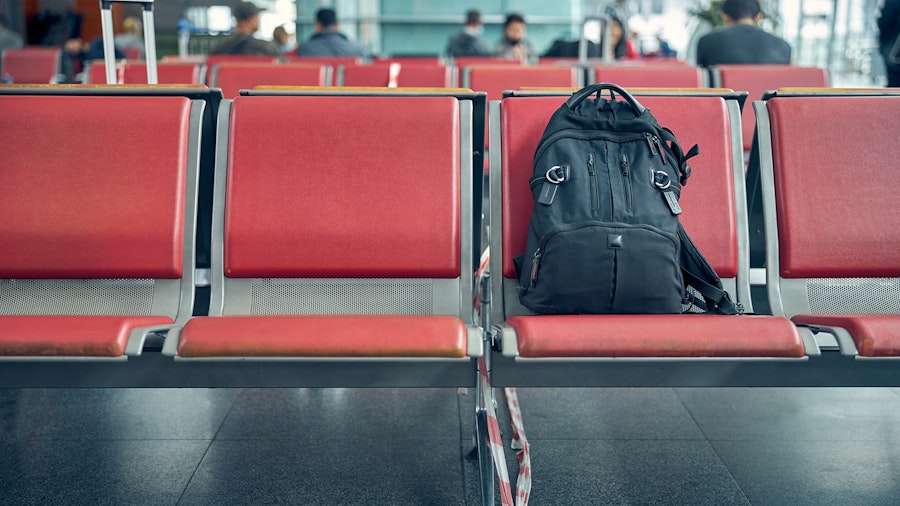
(656, 336)
(874, 335)
(69, 335)
(324, 336)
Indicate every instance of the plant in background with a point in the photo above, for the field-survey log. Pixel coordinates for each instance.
(711, 12)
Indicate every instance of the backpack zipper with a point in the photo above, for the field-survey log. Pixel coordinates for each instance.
(659, 145)
(595, 192)
(626, 179)
(656, 146)
(649, 137)
(535, 264)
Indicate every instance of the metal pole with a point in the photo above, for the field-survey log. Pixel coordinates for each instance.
(150, 43)
(109, 52)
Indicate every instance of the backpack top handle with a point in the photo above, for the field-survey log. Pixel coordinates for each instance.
(589, 90)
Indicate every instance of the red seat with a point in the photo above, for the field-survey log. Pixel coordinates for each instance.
(406, 75)
(832, 247)
(166, 73)
(757, 79)
(711, 216)
(32, 65)
(314, 260)
(462, 62)
(650, 76)
(232, 77)
(331, 61)
(97, 247)
(95, 72)
(495, 79)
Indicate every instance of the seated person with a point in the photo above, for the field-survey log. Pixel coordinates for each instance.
(468, 41)
(242, 41)
(328, 41)
(131, 39)
(514, 46)
(742, 41)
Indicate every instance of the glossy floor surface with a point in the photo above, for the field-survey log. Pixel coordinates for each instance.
(410, 447)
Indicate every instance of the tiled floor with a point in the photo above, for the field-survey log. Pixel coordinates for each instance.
(410, 447)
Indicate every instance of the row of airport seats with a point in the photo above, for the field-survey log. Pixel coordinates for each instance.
(343, 251)
(493, 75)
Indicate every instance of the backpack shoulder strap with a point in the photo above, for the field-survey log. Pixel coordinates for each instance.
(699, 275)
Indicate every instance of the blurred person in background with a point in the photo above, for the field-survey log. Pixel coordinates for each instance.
(131, 40)
(742, 41)
(889, 40)
(328, 40)
(468, 42)
(282, 40)
(242, 41)
(513, 45)
(8, 38)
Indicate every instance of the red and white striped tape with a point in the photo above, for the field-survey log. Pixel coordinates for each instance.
(520, 444)
(495, 442)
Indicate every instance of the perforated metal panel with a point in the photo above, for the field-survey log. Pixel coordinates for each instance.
(76, 296)
(854, 295)
(342, 296)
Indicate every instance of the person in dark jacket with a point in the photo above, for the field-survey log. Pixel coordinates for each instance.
(468, 42)
(742, 41)
(242, 41)
(889, 40)
(328, 41)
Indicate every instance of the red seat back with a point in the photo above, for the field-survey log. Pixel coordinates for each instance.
(232, 77)
(757, 79)
(166, 73)
(89, 195)
(31, 65)
(337, 187)
(651, 76)
(836, 214)
(408, 75)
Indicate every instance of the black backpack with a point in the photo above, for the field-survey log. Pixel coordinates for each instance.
(604, 235)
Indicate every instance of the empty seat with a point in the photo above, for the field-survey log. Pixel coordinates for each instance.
(495, 79)
(396, 74)
(757, 79)
(166, 73)
(32, 65)
(337, 250)
(543, 350)
(650, 76)
(832, 227)
(97, 248)
(232, 77)
(95, 72)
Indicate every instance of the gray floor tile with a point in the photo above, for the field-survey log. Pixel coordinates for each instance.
(605, 413)
(304, 413)
(791, 414)
(365, 472)
(103, 414)
(809, 473)
(97, 472)
(629, 472)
